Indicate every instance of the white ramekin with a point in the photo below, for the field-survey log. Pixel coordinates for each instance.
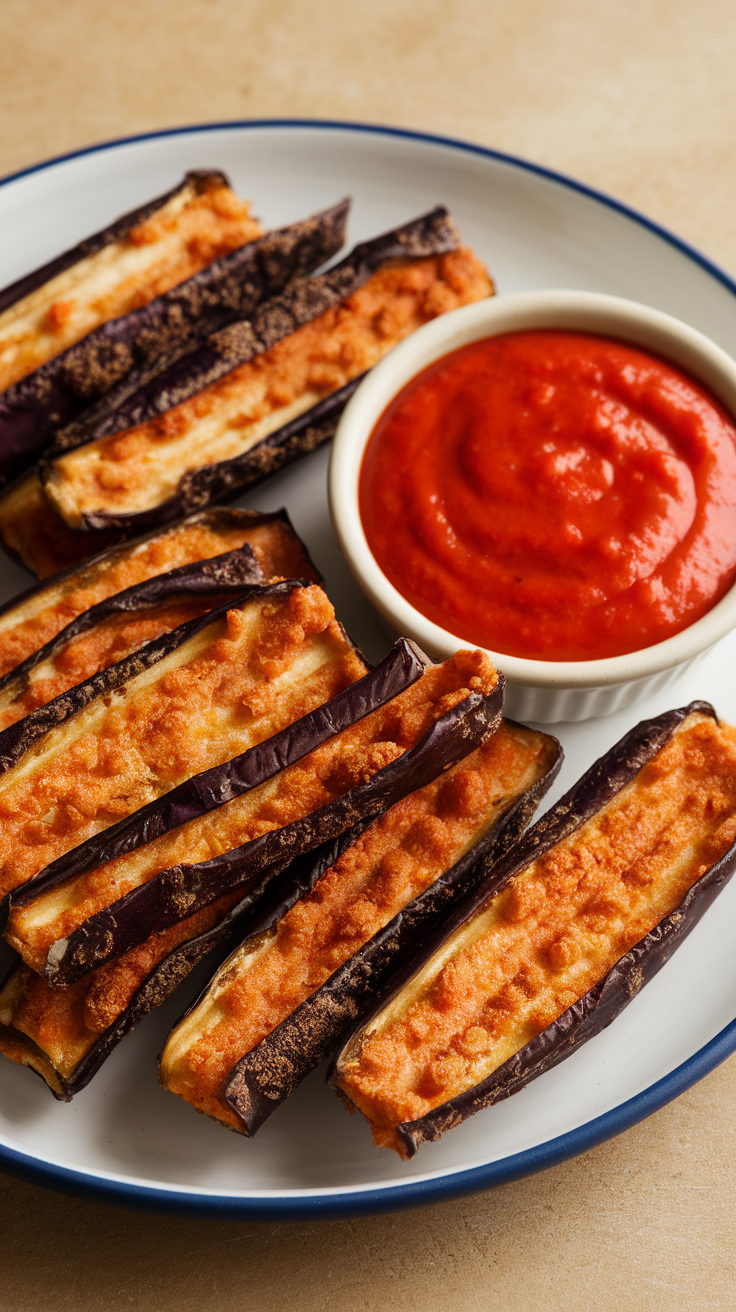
(545, 691)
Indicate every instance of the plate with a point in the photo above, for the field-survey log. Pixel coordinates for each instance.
(125, 1140)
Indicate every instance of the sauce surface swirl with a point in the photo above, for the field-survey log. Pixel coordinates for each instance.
(554, 495)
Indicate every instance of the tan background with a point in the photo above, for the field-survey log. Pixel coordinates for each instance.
(637, 97)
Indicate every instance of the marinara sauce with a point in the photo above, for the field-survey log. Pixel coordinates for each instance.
(554, 495)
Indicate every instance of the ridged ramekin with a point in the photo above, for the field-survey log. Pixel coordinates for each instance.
(546, 691)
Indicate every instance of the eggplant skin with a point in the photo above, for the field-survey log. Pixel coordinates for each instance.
(164, 978)
(603, 1003)
(303, 301)
(62, 391)
(45, 541)
(267, 1075)
(403, 666)
(54, 553)
(605, 778)
(178, 892)
(217, 519)
(204, 179)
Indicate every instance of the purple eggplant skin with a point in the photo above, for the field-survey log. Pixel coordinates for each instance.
(181, 890)
(432, 234)
(30, 282)
(63, 389)
(599, 1007)
(20, 737)
(212, 788)
(215, 577)
(271, 1071)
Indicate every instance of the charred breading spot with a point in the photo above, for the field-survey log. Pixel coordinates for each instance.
(537, 947)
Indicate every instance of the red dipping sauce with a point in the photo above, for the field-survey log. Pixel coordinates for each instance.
(554, 495)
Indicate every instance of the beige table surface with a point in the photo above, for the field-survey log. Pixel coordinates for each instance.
(638, 98)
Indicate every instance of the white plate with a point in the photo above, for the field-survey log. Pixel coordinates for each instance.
(125, 1140)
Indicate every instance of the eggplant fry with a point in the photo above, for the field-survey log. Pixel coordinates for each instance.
(257, 379)
(312, 964)
(189, 700)
(119, 269)
(568, 929)
(54, 395)
(75, 917)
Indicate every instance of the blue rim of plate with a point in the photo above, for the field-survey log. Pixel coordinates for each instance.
(330, 1204)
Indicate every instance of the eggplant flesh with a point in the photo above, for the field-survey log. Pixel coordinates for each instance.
(33, 534)
(116, 231)
(271, 387)
(60, 393)
(32, 531)
(118, 626)
(587, 908)
(66, 1035)
(349, 702)
(349, 694)
(291, 992)
(121, 268)
(355, 773)
(92, 696)
(53, 551)
(191, 699)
